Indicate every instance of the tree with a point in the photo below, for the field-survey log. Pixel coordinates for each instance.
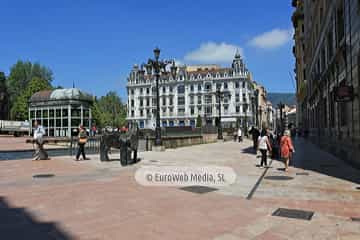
(109, 110)
(199, 121)
(20, 76)
(4, 101)
(19, 110)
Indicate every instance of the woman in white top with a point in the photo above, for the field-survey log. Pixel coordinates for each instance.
(239, 133)
(264, 145)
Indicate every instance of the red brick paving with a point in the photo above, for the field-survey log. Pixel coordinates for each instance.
(88, 203)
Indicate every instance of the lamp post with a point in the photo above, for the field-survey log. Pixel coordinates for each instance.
(219, 96)
(253, 109)
(256, 107)
(158, 67)
(281, 106)
(246, 106)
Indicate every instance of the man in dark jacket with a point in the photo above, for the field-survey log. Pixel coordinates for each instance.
(255, 136)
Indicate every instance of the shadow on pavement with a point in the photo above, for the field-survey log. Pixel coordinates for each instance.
(249, 150)
(309, 157)
(17, 223)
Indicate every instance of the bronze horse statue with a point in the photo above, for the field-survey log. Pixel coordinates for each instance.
(127, 142)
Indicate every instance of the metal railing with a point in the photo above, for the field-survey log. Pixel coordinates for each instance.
(92, 145)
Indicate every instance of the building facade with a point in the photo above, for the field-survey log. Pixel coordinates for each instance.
(270, 116)
(331, 61)
(300, 64)
(60, 111)
(264, 112)
(192, 95)
(291, 118)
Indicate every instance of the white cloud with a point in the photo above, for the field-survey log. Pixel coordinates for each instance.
(212, 52)
(179, 62)
(272, 39)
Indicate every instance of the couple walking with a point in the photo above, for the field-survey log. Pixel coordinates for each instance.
(286, 147)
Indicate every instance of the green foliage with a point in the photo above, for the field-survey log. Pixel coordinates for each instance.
(3, 87)
(19, 110)
(198, 121)
(20, 76)
(2, 80)
(109, 111)
(4, 103)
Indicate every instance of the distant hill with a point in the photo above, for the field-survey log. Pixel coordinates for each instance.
(286, 98)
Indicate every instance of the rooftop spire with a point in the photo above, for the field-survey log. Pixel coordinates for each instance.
(237, 55)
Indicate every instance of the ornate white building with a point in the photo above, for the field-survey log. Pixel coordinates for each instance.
(61, 111)
(193, 94)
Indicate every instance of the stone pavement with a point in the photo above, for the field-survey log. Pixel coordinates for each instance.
(93, 200)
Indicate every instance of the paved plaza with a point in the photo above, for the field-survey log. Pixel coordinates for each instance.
(94, 200)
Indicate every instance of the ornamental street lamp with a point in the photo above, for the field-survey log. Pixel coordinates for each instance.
(219, 96)
(257, 107)
(246, 106)
(158, 67)
(253, 109)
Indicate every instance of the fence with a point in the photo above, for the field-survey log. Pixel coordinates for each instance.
(92, 146)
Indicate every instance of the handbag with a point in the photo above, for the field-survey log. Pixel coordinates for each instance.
(82, 140)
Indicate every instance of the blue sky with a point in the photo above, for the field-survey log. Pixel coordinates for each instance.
(96, 43)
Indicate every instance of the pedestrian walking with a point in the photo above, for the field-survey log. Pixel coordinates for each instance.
(275, 145)
(239, 135)
(82, 139)
(235, 134)
(287, 148)
(264, 145)
(255, 136)
(39, 132)
(93, 130)
(124, 129)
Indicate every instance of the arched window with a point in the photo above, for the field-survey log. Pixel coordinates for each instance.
(208, 86)
(181, 89)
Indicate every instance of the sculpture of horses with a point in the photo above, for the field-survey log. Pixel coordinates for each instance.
(126, 141)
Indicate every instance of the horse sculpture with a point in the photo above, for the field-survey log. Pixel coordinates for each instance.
(127, 142)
